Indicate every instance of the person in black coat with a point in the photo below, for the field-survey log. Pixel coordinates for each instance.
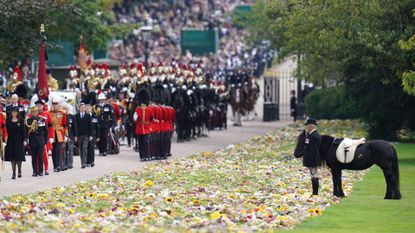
(15, 104)
(83, 123)
(72, 134)
(15, 144)
(293, 105)
(311, 157)
(37, 135)
(95, 132)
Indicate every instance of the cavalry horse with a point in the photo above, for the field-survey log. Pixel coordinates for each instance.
(238, 100)
(378, 152)
(180, 104)
(253, 94)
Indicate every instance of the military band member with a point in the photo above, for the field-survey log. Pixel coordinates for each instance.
(37, 136)
(105, 114)
(60, 134)
(15, 142)
(94, 136)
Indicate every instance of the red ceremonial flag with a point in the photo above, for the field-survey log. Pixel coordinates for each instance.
(42, 78)
(84, 59)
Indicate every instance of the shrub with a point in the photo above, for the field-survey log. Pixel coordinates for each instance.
(330, 103)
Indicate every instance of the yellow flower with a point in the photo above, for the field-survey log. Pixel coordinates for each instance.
(207, 154)
(215, 215)
(148, 183)
(196, 202)
(169, 199)
(318, 211)
(93, 195)
(103, 196)
(72, 211)
(283, 208)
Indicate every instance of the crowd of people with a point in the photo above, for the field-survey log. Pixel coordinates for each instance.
(168, 19)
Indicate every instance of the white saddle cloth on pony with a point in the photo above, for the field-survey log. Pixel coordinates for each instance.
(346, 150)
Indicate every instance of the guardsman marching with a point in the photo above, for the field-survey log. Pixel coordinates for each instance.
(60, 134)
(37, 136)
(142, 118)
(105, 115)
(90, 160)
(170, 128)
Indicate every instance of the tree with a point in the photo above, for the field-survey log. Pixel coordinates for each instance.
(63, 19)
(408, 75)
(353, 42)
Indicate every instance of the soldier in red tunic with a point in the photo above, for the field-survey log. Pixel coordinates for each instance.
(60, 134)
(142, 118)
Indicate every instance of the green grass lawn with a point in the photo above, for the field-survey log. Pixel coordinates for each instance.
(365, 210)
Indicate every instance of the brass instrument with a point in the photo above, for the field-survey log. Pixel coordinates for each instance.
(32, 127)
(92, 83)
(96, 110)
(53, 83)
(11, 86)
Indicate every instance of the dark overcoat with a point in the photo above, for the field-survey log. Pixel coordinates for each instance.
(312, 150)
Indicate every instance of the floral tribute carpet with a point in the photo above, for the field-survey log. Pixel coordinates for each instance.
(254, 186)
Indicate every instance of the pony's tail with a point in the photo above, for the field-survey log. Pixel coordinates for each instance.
(395, 170)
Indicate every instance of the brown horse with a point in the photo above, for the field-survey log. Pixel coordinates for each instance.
(253, 94)
(238, 100)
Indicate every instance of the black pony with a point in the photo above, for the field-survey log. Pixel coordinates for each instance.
(378, 152)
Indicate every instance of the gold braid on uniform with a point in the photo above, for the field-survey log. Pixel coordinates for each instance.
(32, 127)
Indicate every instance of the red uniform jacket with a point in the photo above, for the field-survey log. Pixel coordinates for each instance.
(117, 112)
(158, 115)
(142, 117)
(3, 129)
(153, 128)
(172, 117)
(59, 125)
(165, 119)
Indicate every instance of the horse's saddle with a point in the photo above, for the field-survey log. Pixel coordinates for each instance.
(347, 148)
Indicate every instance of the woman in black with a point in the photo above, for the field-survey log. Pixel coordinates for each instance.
(14, 151)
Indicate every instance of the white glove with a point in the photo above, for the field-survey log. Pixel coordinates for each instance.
(24, 143)
(51, 140)
(90, 138)
(65, 139)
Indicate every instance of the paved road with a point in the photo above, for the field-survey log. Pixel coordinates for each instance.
(127, 160)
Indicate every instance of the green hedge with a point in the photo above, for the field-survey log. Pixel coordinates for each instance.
(330, 103)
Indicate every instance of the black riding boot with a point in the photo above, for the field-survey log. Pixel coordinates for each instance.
(314, 182)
